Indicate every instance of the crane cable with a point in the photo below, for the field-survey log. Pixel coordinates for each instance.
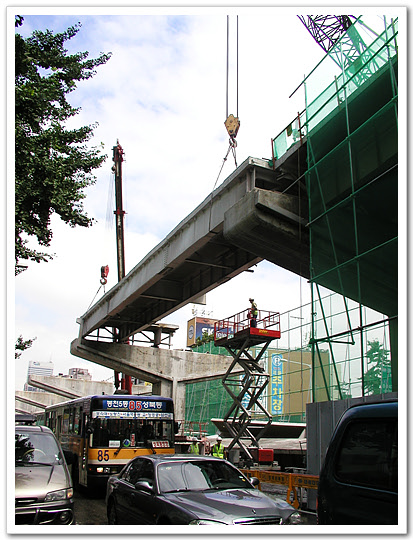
(232, 123)
(97, 292)
(227, 92)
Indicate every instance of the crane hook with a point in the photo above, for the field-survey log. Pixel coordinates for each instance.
(232, 124)
(104, 271)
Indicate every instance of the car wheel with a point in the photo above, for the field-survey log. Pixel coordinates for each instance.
(112, 514)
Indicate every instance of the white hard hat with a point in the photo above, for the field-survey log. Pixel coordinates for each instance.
(219, 438)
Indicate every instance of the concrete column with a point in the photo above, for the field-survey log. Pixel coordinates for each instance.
(162, 388)
(157, 337)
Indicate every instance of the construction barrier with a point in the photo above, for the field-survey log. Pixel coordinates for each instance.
(293, 481)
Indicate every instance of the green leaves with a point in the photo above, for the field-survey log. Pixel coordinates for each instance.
(378, 360)
(53, 165)
(22, 345)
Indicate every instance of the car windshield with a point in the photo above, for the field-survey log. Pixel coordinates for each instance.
(199, 475)
(36, 448)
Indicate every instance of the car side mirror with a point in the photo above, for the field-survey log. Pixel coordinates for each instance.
(143, 485)
(254, 481)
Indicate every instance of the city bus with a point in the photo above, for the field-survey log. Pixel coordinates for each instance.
(106, 431)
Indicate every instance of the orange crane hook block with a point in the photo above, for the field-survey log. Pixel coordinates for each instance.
(104, 271)
(232, 124)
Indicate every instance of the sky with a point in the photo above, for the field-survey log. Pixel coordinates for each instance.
(162, 95)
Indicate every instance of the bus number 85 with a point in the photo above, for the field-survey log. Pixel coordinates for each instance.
(103, 455)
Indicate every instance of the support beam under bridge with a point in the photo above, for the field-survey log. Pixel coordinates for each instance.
(168, 370)
(253, 215)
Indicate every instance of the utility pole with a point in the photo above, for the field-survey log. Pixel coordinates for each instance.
(126, 382)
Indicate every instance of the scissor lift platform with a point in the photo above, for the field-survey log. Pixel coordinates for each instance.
(237, 335)
(234, 330)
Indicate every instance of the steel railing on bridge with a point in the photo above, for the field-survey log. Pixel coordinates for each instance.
(231, 326)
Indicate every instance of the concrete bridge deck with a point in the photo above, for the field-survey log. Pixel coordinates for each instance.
(246, 219)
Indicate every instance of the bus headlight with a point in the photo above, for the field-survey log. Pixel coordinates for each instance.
(104, 470)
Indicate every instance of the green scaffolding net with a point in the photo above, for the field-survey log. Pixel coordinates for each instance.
(352, 186)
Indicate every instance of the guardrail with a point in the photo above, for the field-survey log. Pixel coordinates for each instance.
(292, 134)
(293, 481)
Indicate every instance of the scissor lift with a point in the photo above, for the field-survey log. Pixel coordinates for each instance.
(237, 336)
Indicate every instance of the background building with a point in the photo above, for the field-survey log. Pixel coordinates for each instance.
(37, 368)
(80, 373)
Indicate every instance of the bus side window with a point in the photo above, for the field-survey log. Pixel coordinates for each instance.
(86, 428)
(71, 417)
(77, 425)
(65, 423)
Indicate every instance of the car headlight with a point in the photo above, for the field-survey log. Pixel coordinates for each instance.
(59, 495)
(293, 519)
(205, 522)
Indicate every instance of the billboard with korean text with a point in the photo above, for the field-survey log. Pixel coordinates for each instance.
(196, 328)
(276, 384)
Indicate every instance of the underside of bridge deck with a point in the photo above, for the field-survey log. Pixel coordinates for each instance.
(245, 220)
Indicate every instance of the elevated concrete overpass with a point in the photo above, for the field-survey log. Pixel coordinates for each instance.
(60, 389)
(258, 212)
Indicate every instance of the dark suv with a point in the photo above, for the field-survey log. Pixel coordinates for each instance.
(43, 487)
(358, 480)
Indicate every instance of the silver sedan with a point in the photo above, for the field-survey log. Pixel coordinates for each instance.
(190, 490)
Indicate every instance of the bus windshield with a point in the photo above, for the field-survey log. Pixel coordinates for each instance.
(132, 422)
(113, 432)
